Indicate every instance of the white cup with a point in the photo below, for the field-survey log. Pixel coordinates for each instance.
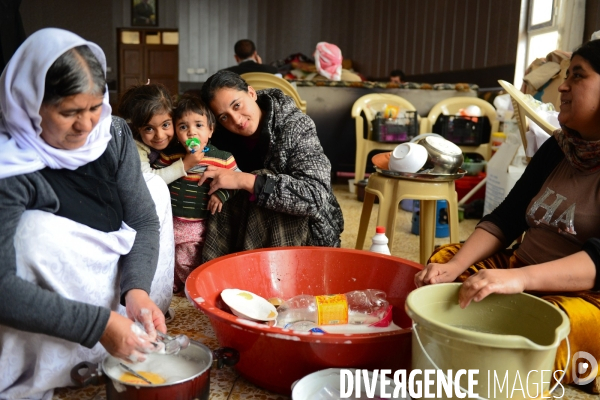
(408, 157)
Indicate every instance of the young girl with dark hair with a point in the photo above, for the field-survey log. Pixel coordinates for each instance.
(148, 110)
(151, 116)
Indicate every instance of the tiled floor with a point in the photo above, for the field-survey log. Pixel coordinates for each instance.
(225, 383)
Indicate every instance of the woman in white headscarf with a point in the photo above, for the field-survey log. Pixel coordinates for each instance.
(79, 243)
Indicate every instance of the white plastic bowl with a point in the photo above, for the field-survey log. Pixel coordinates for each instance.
(326, 384)
(408, 157)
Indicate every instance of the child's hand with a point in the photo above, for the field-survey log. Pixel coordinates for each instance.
(192, 159)
(214, 204)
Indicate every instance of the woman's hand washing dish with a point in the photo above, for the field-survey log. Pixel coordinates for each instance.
(408, 157)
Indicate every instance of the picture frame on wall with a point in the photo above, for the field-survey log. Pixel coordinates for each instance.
(144, 12)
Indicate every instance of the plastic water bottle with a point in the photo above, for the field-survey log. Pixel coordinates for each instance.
(380, 242)
(357, 307)
(303, 326)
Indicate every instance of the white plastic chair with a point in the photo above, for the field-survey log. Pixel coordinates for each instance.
(452, 105)
(263, 80)
(523, 111)
(366, 104)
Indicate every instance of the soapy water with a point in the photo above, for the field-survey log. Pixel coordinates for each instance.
(348, 329)
(164, 343)
(171, 368)
(138, 329)
(135, 357)
(303, 326)
(147, 322)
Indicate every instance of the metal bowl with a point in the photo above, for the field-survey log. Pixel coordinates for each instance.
(444, 156)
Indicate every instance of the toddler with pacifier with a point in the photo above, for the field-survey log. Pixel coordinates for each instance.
(180, 160)
(194, 126)
(148, 110)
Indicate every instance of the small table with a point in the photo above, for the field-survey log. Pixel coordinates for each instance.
(392, 187)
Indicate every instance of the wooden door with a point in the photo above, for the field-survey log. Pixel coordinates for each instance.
(148, 54)
(162, 66)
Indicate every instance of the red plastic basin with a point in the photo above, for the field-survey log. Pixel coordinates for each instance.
(273, 358)
(465, 184)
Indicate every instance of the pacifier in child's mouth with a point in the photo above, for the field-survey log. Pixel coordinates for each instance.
(193, 144)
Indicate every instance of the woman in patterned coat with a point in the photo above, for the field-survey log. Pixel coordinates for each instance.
(285, 197)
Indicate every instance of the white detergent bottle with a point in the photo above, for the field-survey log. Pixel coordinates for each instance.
(380, 242)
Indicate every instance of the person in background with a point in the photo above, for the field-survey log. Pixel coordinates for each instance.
(556, 204)
(248, 59)
(328, 61)
(285, 198)
(80, 233)
(397, 76)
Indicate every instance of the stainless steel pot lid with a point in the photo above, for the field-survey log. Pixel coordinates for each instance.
(442, 145)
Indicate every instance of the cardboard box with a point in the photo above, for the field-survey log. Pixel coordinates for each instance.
(549, 93)
(503, 171)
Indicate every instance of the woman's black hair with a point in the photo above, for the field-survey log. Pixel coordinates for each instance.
(191, 103)
(141, 102)
(590, 51)
(75, 71)
(220, 80)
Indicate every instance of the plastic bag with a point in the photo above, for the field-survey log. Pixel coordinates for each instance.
(504, 107)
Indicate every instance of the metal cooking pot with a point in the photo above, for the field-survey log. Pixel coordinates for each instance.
(194, 386)
(444, 156)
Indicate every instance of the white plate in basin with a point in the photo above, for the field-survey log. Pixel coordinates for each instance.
(248, 305)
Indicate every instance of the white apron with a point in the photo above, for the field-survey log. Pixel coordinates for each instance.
(80, 263)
